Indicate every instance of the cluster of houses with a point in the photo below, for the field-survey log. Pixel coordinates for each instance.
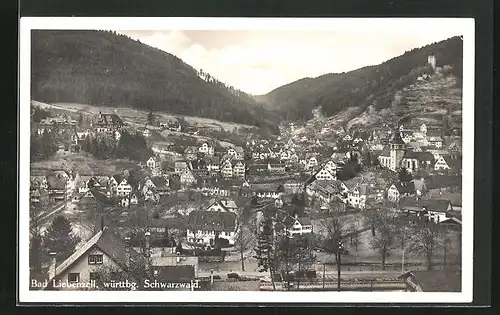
(428, 153)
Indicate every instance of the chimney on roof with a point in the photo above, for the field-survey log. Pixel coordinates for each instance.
(53, 263)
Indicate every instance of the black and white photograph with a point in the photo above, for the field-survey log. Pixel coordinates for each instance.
(298, 159)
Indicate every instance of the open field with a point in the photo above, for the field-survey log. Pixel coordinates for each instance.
(139, 117)
(82, 162)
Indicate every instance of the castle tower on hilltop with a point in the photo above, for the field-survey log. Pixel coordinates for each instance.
(431, 61)
(397, 151)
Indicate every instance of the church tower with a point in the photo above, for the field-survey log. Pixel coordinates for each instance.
(397, 150)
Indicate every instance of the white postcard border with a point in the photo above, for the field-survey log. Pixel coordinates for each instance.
(463, 26)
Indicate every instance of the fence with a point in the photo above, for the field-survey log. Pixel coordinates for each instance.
(329, 285)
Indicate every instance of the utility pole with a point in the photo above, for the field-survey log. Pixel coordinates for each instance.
(324, 276)
(298, 275)
(403, 262)
(338, 264)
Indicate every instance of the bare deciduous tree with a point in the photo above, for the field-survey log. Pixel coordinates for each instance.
(426, 240)
(384, 241)
(335, 226)
(243, 242)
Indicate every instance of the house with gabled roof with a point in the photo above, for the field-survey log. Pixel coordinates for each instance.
(225, 205)
(180, 166)
(297, 225)
(107, 122)
(239, 168)
(205, 226)
(356, 196)
(226, 169)
(327, 190)
(57, 187)
(191, 153)
(325, 174)
(206, 148)
(124, 188)
(449, 162)
(161, 184)
(431, 209)
(400, 189)
(217, 187)
(153, 162)
(104, 252)
(187, 178)
(212, 163)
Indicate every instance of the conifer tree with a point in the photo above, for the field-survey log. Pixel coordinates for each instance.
(59, 238)
(264, 249)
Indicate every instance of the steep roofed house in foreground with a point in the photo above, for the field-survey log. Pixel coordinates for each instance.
(448, 280)
(103, 254)
(205, 226)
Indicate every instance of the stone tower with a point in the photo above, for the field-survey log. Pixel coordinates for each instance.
(397, 151)
(431, 61)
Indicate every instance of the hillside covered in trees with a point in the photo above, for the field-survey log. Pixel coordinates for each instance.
(108, 69)
(373, 85)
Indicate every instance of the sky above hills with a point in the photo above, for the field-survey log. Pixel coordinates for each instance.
(257, 62)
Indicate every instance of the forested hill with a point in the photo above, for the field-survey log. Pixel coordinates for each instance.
(106, 68)
(373, 85)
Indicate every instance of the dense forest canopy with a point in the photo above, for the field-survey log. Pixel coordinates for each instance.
(362, 87)
(109, 69)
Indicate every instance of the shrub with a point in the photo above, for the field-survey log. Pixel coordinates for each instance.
(233, 275)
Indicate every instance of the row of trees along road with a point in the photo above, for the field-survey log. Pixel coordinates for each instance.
(279, 255)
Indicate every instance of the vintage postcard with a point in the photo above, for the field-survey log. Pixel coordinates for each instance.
(310, 160)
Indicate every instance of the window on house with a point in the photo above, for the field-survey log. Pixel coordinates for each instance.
(73, 277)
(95, 259)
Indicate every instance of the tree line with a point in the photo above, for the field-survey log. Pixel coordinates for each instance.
(42, 146)
(365, 86)
(103, 68)
(131, 146)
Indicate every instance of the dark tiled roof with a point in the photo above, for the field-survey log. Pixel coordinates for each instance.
(212, 221)
(396, 138)
(159, 181)
(424, 156)
(171, 223)
(304, 221)
(198, 165)
(385, 152)
(110, 243)
(409, 155)
(118, 178)
(56, 183)
(405, 188)
(439, 280)
(110, 119)
(272, 187)
(174, 273)
(438, 205)
(455, 163)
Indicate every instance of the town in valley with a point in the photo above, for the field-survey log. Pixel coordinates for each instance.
(360, 199)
